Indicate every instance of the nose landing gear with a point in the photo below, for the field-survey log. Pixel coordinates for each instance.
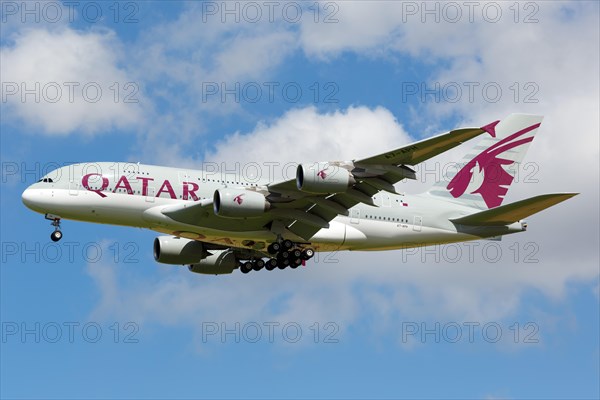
(57, 234)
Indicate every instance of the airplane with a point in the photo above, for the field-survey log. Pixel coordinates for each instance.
(215, 225)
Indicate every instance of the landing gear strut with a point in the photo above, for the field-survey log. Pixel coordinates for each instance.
(57, 234)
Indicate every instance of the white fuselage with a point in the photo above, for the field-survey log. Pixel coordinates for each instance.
(134, 195)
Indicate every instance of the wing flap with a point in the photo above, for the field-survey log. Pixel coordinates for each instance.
(331, 205)
(513, 212)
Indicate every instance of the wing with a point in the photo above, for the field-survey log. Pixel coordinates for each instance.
(304, 214)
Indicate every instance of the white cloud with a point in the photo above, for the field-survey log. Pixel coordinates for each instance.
(194, 49)
(76, 81)
(303, 135)
(248, 57)
(350, 26)
(183, 60)
(435, 30)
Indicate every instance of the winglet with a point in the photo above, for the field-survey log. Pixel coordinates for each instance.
(491, 128)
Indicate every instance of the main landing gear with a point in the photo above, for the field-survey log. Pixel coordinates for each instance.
(57, 234)
(284, 254)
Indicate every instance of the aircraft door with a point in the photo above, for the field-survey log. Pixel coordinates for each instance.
(73, 188)
(355, 216)
(150, 194)
(418, 223)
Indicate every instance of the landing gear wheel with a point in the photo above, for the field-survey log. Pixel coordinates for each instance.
(274, 248)
(246, 267)
(296, 253)
(287, 244)
(296, 263)
(307, 254)
(56, 236)
(282, 260)
(271, 264)
(257, 265)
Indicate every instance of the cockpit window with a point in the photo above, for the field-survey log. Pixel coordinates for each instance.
(47, 180)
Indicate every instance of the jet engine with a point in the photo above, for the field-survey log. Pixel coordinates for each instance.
(180, 251)
(323, 178)
(234, 203)
(217, 263)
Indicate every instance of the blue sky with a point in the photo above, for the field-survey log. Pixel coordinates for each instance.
(95, 316)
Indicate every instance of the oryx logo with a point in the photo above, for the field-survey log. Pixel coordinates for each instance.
(238, 199)
(322, 174)
(495, 180)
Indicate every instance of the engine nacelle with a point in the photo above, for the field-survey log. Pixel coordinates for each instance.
(323, 178)
(176, 250)
(218, 263)
(235, 203)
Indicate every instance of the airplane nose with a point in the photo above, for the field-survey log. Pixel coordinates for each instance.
(37, 199)
(28, 197)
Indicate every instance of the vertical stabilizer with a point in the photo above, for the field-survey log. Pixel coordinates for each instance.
(483, 177)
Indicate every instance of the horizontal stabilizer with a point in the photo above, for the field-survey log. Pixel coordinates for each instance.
(513, 212)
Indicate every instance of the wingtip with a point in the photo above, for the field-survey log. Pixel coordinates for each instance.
(491, 128)
(569, 194)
